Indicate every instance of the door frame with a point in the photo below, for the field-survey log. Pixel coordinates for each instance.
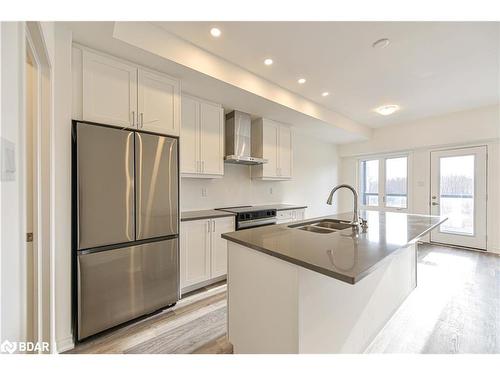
(431, 181)
(42, 313)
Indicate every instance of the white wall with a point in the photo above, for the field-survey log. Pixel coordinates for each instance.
(13, 249)
(315, 170)
(62, 188)
(475, 127)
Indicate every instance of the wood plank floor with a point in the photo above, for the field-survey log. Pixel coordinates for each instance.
(455, 309)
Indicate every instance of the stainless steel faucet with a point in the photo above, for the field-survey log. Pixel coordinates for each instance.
(355, 219)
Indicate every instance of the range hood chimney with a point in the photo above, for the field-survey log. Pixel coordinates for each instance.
(238, 139)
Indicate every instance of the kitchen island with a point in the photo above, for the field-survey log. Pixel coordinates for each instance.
(297, 289)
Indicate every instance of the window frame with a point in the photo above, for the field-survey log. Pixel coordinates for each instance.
(381, 181)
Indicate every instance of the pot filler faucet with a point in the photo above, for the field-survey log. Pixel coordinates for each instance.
(355, 219)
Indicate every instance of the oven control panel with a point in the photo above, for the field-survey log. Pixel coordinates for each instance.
(254, 215)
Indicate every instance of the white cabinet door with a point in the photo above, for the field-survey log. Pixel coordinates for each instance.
(195, 252)
(285, 152)
(109, 91)
(270, 149)
(219, 245)
(158, 103)
(190, 132)
(299, 214)
(212, 138)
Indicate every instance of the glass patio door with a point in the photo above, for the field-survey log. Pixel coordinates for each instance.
(458, 191)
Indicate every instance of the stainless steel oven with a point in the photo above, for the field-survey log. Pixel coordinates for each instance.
(252, 217)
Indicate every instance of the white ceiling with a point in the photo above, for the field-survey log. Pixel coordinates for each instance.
(100, 36)
(430, 68)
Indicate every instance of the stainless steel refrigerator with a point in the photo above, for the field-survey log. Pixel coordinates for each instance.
(125, 225)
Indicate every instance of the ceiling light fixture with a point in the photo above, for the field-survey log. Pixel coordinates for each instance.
(215, 32)
(301, 81)
(387, 110)
(381, 43)
(326, 93)
(268, 61)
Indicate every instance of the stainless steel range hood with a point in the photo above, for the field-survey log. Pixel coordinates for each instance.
(238, 139)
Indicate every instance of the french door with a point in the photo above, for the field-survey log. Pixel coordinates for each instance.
(458, 191)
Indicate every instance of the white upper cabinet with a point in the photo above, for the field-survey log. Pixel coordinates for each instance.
(285, 156)
(118, 93)
(202, 138)
(190, 135)
(273, 141)
(212, 138)
(109, 90)
(158, 103)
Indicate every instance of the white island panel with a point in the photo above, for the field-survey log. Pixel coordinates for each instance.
(278, 307)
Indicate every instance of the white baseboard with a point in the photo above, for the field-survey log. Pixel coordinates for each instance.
(65, 344)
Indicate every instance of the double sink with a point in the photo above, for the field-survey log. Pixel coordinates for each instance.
(324, 226)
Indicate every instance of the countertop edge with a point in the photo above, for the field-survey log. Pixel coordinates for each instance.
(207, 216)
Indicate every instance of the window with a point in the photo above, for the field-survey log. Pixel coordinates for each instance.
(369, 182)
(396, 182)
(384, 182)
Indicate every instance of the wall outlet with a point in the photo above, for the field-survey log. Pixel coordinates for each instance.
(204, 192)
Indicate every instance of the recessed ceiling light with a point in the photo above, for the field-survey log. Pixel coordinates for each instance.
(381, 43)
(215, 32)
(387, 110)
(268, 61)
(301, 80)
(326, 93)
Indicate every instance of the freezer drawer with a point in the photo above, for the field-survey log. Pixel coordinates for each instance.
(115, 286)
(157, 186)
(105, 186)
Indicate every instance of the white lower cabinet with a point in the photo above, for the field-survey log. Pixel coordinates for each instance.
(203, 253)
(288, 216)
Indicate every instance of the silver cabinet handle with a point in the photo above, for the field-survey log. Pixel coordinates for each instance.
(209, 226)
(142, 120)
(203, 166)
(133, 118)
(213, 227)
(435, 204)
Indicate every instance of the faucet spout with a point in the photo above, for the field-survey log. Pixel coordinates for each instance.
(355, 219)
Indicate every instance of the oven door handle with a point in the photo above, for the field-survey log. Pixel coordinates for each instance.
(256, 222)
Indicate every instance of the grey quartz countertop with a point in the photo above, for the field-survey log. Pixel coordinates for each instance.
(204, 214)
(347, 255)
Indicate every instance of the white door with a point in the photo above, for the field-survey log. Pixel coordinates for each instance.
(195, 252)
(285, 152)
(270, 149)
(458, 191)
(212, 138)
(158, 103)
(190, 135)
(219, 245)
(109, 91)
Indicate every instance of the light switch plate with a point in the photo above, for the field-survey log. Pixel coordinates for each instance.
(8, 160)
